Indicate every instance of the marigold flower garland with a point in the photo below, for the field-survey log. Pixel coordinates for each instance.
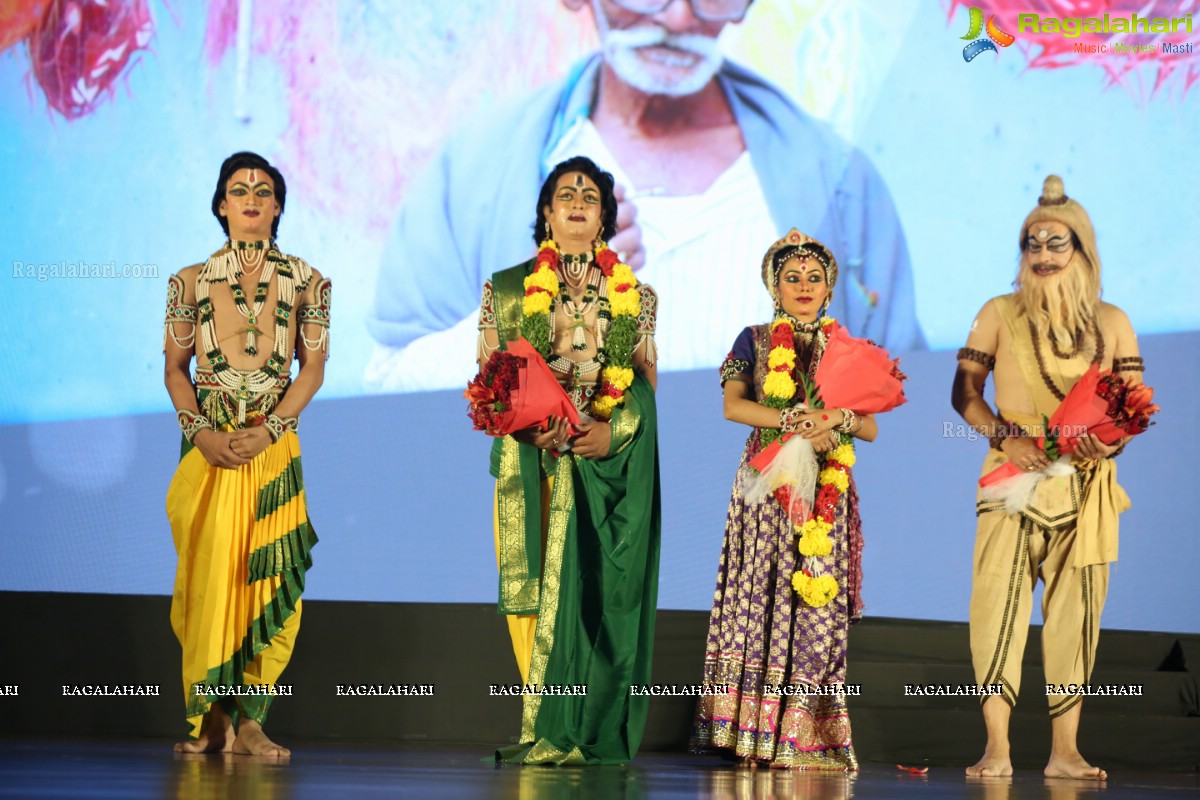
(779, 388)
(622, 307)
(819, 589)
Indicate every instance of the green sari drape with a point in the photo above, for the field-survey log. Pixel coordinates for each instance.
(598, 588)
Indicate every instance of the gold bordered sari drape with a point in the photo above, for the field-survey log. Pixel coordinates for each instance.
(595, 585)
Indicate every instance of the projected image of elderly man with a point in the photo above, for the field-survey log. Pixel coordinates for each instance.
(710, 161)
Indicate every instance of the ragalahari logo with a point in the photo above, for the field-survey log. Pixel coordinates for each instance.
(996, 36)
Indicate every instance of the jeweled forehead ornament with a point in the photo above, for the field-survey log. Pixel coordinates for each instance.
(805, 263)
(810, 248)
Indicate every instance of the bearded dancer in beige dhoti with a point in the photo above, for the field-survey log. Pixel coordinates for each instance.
(1039, 340)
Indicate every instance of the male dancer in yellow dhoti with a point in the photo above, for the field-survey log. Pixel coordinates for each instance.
(1039, 340)
(237, 504)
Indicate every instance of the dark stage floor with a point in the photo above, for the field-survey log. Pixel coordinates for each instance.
(137, 769)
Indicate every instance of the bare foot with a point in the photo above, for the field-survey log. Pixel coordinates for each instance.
(222, 743)
(1073, 766)
(991, 766)
(997, 759)
(216, 734)
(251, 741)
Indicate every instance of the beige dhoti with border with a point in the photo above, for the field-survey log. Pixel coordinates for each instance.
(1067, 537)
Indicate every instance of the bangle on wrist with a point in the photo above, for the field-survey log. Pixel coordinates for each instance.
(789, 419)
(849, 421)
(192, 423)
(277, 426)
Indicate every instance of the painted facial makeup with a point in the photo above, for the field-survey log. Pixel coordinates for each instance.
(802, 287)
(1048, 247)
(250, 204)
(244, 189)
(576, 209)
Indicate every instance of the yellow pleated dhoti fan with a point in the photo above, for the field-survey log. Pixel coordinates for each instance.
(243, 541)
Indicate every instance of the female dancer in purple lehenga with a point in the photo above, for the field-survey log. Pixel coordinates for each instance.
(782, 660)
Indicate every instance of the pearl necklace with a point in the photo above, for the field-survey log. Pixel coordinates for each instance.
(225, 267)
(574, 266)
(578, 311)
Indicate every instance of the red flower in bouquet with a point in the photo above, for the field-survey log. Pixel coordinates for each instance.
(1138, 408)
(1127, 408)
(1100, 404)
(490, 393)
(516, 390)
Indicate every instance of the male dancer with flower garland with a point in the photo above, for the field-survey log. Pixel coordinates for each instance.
(236, 504)
(1039, 340)
(577, 515)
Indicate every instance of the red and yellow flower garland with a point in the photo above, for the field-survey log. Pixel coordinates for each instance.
(779, 388)
(833, 481)
(624, 304)
(541, 285)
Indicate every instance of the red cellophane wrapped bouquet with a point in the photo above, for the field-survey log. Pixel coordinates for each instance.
(516, 390)
(1100, 403)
